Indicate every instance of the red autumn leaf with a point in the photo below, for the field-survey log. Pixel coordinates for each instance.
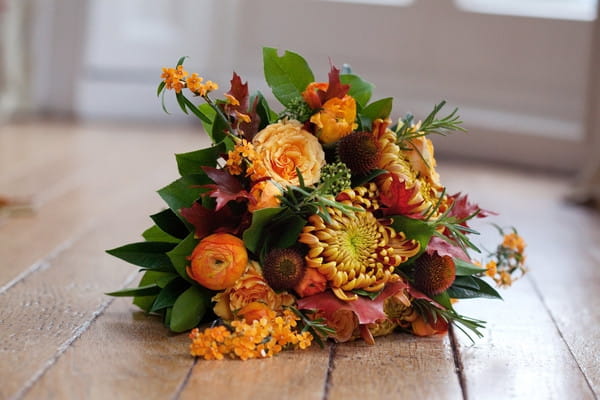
(443, 248)
(399, 200)
(462, 208)
(336, 88)
(206, 221)
(226, 187)
(239, 90)
(368, 311)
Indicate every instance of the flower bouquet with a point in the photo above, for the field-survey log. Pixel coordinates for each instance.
(323, 220)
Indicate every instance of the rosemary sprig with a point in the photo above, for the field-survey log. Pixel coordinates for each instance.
(408, 129)
(317, 327)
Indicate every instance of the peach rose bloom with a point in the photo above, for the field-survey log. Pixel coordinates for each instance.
(266, 195)
(285, 146)
(336, 119)
(313, 282)
(218, 261)
(344, 322)
(251, 287)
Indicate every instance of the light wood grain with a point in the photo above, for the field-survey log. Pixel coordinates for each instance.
(397, 366)
(289, 375)
(553, 314)
(124, 354)
(93, 186)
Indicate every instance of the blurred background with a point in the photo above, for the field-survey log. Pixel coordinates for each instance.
(524, 73)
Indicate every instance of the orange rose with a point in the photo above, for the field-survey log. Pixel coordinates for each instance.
(266, 195)
(336, 119)
(312, 282)
(255, 311)
(311, 94)
(251, 287)
(218, 261)
(285, 147)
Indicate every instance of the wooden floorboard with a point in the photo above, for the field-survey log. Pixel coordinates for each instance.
(93, 188)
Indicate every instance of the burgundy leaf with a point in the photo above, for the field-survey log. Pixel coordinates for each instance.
(443, 248)
(206, 221)
(335, 88)
(226, 188)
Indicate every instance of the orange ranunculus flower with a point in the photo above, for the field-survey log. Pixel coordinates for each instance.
(251, 287)
(255, 311)
(313, 282)
(284, 147)
(421, 327)
(336, 119)
(311, 94)
(218, 261)
(266, 195)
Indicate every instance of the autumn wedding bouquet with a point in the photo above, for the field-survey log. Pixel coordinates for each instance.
(321, 220)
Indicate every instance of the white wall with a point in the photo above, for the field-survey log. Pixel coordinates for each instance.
(520, 82)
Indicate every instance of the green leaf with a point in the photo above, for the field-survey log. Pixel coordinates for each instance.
(466, 268)
(287, 75)
(210, 112)
(147, 290)
(463, 289)
(266, 115)
(195, 109)
(444, 300)
(189, 308)
(181, 101)
(191, 163)
(155, 234)
(360, 89)
(254, 234)
(150, 255)
(363, 179)
(184, 192)
(285, 232)
(169, 294)
(370, 295)
(170, 223)
(179, 255)
(161, 87)
(181, 60)
(152, 277)
(416, 229)
(378, 109)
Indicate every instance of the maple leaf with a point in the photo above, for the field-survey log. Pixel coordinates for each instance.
(226, 187)
(462, 208)
(206, 221)
(398, 199)
(368, 311)
(443, 248)
(335, 88)
(239, 91)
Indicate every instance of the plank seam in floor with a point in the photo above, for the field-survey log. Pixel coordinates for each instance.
(555, 323)
(67, 343)
(185, 381)
(330, 368)
(43, 263)
(458, 365)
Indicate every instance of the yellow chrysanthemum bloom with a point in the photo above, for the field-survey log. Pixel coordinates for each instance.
(355, 251)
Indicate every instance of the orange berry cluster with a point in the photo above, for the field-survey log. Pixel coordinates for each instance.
(261, 338)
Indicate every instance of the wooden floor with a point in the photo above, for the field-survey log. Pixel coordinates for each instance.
(92, 188)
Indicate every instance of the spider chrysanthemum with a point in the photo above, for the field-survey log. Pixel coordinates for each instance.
(355, 251)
